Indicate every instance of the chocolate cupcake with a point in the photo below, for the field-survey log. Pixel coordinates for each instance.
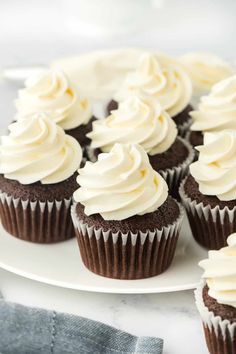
(52, 93)
(38, 164)
(216, 112)
(216, 299)
(209, 193)
(163, 79)
(204, 70)
(127, 226)
(142, 121)
(195, 138)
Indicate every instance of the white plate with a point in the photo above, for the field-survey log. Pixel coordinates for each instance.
(61, 265)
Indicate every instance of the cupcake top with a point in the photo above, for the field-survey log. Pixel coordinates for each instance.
(205, 70)
(220, 273)
(217, 111)
(120, 184)
(38, 150)
(51, 92)
(138, 121)
(164, 80)
(215, 170)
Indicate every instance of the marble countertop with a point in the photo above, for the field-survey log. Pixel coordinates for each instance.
(171, 316)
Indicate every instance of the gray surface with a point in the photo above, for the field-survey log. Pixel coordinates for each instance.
(26, 330)
(171, 316)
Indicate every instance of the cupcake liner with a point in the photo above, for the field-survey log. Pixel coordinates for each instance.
(36, 221)
(173, 176)
(90, 154)
(187, 137)
(196, 152)
(130, 255)
(84, 158)
(184, 128)
(220, 334)
(210, 226)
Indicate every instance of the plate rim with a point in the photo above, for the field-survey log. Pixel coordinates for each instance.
(94, 289)
(186, 246)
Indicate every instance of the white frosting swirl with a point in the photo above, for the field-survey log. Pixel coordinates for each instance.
(205, 70)
(215, 170)
(137, 121)
(217, 111)
(120, 184)
(220, 273)
(51, 92)
(164, 80)
(38, 150)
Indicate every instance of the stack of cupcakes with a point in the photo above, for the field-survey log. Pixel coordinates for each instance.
(117, 204)
(126, 224)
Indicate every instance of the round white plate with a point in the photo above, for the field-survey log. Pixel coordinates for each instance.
(61, 265)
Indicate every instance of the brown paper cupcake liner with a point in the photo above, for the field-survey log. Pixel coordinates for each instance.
(126, 256)
(184, 128)
(35, 221)
(187, 137)
(210, 226)
(220, 334)
(173, 176)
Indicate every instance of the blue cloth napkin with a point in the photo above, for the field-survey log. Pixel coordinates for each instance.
(26, 330)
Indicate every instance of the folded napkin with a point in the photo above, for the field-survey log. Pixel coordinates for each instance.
(26, 330)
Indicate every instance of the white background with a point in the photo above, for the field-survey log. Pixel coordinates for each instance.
(33, 30)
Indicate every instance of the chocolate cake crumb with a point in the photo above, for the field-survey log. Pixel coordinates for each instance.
(39, 191)
(79, 133)
(173, 157)
(183, 116)
(192, 190)
(196, 138)
(167, 214)
(112, 105)
(226, 312)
